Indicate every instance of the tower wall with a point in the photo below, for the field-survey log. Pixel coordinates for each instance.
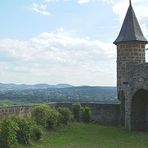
(128, 53)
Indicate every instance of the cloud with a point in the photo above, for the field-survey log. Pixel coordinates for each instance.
(58, 57)
(120, 8)
(40, 8)
(50, 1)
(83, 1)
(58, 46)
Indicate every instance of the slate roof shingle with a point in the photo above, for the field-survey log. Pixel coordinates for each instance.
(130, 30)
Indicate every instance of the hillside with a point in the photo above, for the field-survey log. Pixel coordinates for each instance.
(12, 86)
(43, 93)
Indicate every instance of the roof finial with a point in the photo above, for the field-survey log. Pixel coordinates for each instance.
(130, 2)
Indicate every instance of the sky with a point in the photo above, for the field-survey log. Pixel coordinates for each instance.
(62, 41)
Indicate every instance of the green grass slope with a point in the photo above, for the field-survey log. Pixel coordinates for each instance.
(80, 135)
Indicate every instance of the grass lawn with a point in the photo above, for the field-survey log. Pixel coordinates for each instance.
(80, 135)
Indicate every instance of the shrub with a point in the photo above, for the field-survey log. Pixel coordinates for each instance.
(52, 119)
(76, 109)
(36, 133)
(65, 115)
(86, 114)
(8, 133)
(24, 131)
(40, 114)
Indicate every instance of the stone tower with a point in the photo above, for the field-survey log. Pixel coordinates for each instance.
(130, 50)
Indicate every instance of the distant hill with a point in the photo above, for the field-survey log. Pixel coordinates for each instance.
(44, 93)
(36, 86)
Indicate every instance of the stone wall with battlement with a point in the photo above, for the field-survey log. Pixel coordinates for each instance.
(102, 113)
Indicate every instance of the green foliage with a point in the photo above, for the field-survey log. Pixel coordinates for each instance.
(76, 109)
(36, 133)
(65, 115)
(8, 132)
(53, 118)
(21, 130)
(40, 114)
(86, 114)
(24, 131)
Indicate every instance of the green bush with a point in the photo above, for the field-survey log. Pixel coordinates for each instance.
(52, 119)
(36, 133)
(86, 114)
(40, 115)
(24, 131)
(76, 109)
(8, 133)
(65, 115)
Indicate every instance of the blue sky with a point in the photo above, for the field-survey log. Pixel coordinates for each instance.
(62, 41)
(19, 19)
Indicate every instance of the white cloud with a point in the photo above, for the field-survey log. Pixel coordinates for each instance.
(57, 57)
(50, 1)
(40, 8)
(120, 7)
(83, 1)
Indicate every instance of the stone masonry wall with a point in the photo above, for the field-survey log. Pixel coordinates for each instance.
(102, 113)
(105, 113)
(128, 53)
(137, 79)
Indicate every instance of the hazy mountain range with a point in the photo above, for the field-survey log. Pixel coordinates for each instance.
(12, 86)
(43, 93)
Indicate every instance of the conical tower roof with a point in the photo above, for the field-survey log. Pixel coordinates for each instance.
(130, 30)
